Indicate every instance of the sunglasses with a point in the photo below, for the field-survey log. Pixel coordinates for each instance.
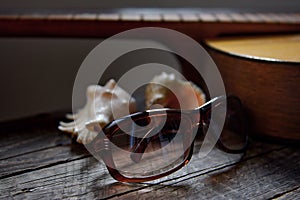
(148, 145)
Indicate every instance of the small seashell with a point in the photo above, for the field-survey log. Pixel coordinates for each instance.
(167, 91)
(103, 104)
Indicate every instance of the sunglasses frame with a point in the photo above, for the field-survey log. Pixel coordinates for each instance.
(100, 144)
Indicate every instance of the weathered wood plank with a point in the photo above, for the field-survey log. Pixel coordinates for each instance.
(57, 181)
(42, 158)
(84, 178)
(38, 141)
(30, 135)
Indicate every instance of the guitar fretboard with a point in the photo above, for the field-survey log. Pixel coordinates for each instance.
(193, 22)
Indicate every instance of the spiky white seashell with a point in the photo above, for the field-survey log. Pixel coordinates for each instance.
(103, 104)
(170, 92)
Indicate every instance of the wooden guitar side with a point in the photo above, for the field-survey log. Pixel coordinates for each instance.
(268, 86)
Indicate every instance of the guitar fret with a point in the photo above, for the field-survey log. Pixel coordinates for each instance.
(297, 18)
(222, 17)
(109, 17)
(152, 17)
(236, 17)
(276, 18)
(206, 17)
(253, 17)
(60, 17)
(189, 17)
(281, 18)
(267, 18)
(287, 18)
(85, 17)
(131, 17)
(171, 17)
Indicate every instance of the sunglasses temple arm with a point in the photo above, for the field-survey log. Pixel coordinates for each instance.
(203, 109)
(203, 117)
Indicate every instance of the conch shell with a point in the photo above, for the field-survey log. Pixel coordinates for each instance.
(106, 103)
(103, 104)
(170, 92)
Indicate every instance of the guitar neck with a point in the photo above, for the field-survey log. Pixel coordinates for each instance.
(196, 23)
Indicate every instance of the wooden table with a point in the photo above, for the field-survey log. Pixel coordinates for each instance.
(38, 161)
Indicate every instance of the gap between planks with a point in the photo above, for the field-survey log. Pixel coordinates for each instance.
(286, 194)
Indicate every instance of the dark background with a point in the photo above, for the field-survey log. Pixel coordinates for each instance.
(37, 74)
(264, 5)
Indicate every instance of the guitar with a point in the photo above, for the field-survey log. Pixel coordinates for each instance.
(265, 73)
(197, 23)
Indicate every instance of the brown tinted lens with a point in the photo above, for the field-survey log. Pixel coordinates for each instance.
(233, 137)
(146, 151)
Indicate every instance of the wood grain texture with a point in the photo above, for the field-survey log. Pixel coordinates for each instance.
(252, 180)
(68, 172)
(268, 89)
(40, 159)
(85, 178)
(33, 134)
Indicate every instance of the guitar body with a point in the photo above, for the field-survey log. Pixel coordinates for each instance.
(265, 73)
